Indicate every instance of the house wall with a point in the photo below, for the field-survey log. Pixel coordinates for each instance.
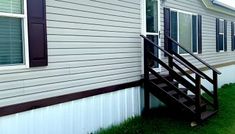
(76, 117)
(209, 53)
(91, 44)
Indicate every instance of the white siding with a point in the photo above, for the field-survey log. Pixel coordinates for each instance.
(209, 53)
(76, 117)
(91, 44)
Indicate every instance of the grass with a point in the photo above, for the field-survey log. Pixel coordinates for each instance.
(162, 121)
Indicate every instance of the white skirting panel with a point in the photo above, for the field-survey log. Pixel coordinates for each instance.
(76, 117)
(227, 76)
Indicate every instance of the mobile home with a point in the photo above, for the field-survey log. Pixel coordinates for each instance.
(74, 66)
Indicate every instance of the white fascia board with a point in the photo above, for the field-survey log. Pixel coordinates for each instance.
(225, 3)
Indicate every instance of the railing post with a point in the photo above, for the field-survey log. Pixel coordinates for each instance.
(146, 79)
(215, 91)
(170, 59)
(198, 97)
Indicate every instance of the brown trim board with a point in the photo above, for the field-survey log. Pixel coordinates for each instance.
(12, 109)
(219, 65)
(216, 66)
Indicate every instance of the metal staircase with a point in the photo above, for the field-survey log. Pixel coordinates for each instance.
(181, 87)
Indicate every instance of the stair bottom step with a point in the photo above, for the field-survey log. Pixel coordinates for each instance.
(207, 114)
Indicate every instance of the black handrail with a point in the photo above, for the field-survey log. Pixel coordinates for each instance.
(215, 72)
(174, 61)
(192, 66)
(196, 57)
(168, 54)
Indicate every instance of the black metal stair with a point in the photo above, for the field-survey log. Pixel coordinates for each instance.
(180, 93)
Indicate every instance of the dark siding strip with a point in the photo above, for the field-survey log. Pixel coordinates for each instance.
(217, 35)
(199, 34)
(225, 35)
(232, 35)
(194, 34)
(167, 30)
(174, 29)
(64, 98)
(37, 33)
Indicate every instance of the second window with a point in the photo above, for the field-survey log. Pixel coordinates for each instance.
(184, 29)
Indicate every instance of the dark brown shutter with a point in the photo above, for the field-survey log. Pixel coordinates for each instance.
(167, 27)
(217, 35)
(37, 33)
(199, 34)
(225, 35)
(232, 34)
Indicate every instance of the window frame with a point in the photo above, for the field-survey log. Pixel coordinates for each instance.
(25, 44)
(145, 33)
(222, 34)
(234, 28)
(233, 36)
(189, 13)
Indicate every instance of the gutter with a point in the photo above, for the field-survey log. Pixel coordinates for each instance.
(217, 8)
(223, 4)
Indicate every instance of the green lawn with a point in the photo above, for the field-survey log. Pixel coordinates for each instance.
(163, 122)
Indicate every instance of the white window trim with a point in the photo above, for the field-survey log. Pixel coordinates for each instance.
(222, 34)
(234, 27)
(25, 39)
(189, 13)
(233, 33)
(145, 33)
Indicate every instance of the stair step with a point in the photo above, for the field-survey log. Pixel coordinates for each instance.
(165, 86)
(193, 107)
(185, 90)
(192, 96)
(207, 114)
(183, 100)
(152, 77)
(162, 85)
(172, 92)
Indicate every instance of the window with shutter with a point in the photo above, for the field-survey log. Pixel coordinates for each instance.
(221, 35)
(233, 35)
(23, 38)
(189, 23)
(13, 38)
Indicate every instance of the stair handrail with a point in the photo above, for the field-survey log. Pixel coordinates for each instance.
(196, 57)
(170, 55)
(215, 72)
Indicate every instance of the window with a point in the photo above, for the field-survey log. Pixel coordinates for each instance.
(233, 28)
(233, 35)
(152, 16)
(13, 45)
(152, 27)
(221, 35)
(184, 29)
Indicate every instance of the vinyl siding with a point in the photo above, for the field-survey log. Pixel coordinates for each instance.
(209, 53)
(91, 44)
(96, 43)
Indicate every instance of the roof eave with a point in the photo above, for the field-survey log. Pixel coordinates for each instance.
(223, 4)
(217, 8)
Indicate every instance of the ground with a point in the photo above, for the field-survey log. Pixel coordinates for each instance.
(162, 121)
